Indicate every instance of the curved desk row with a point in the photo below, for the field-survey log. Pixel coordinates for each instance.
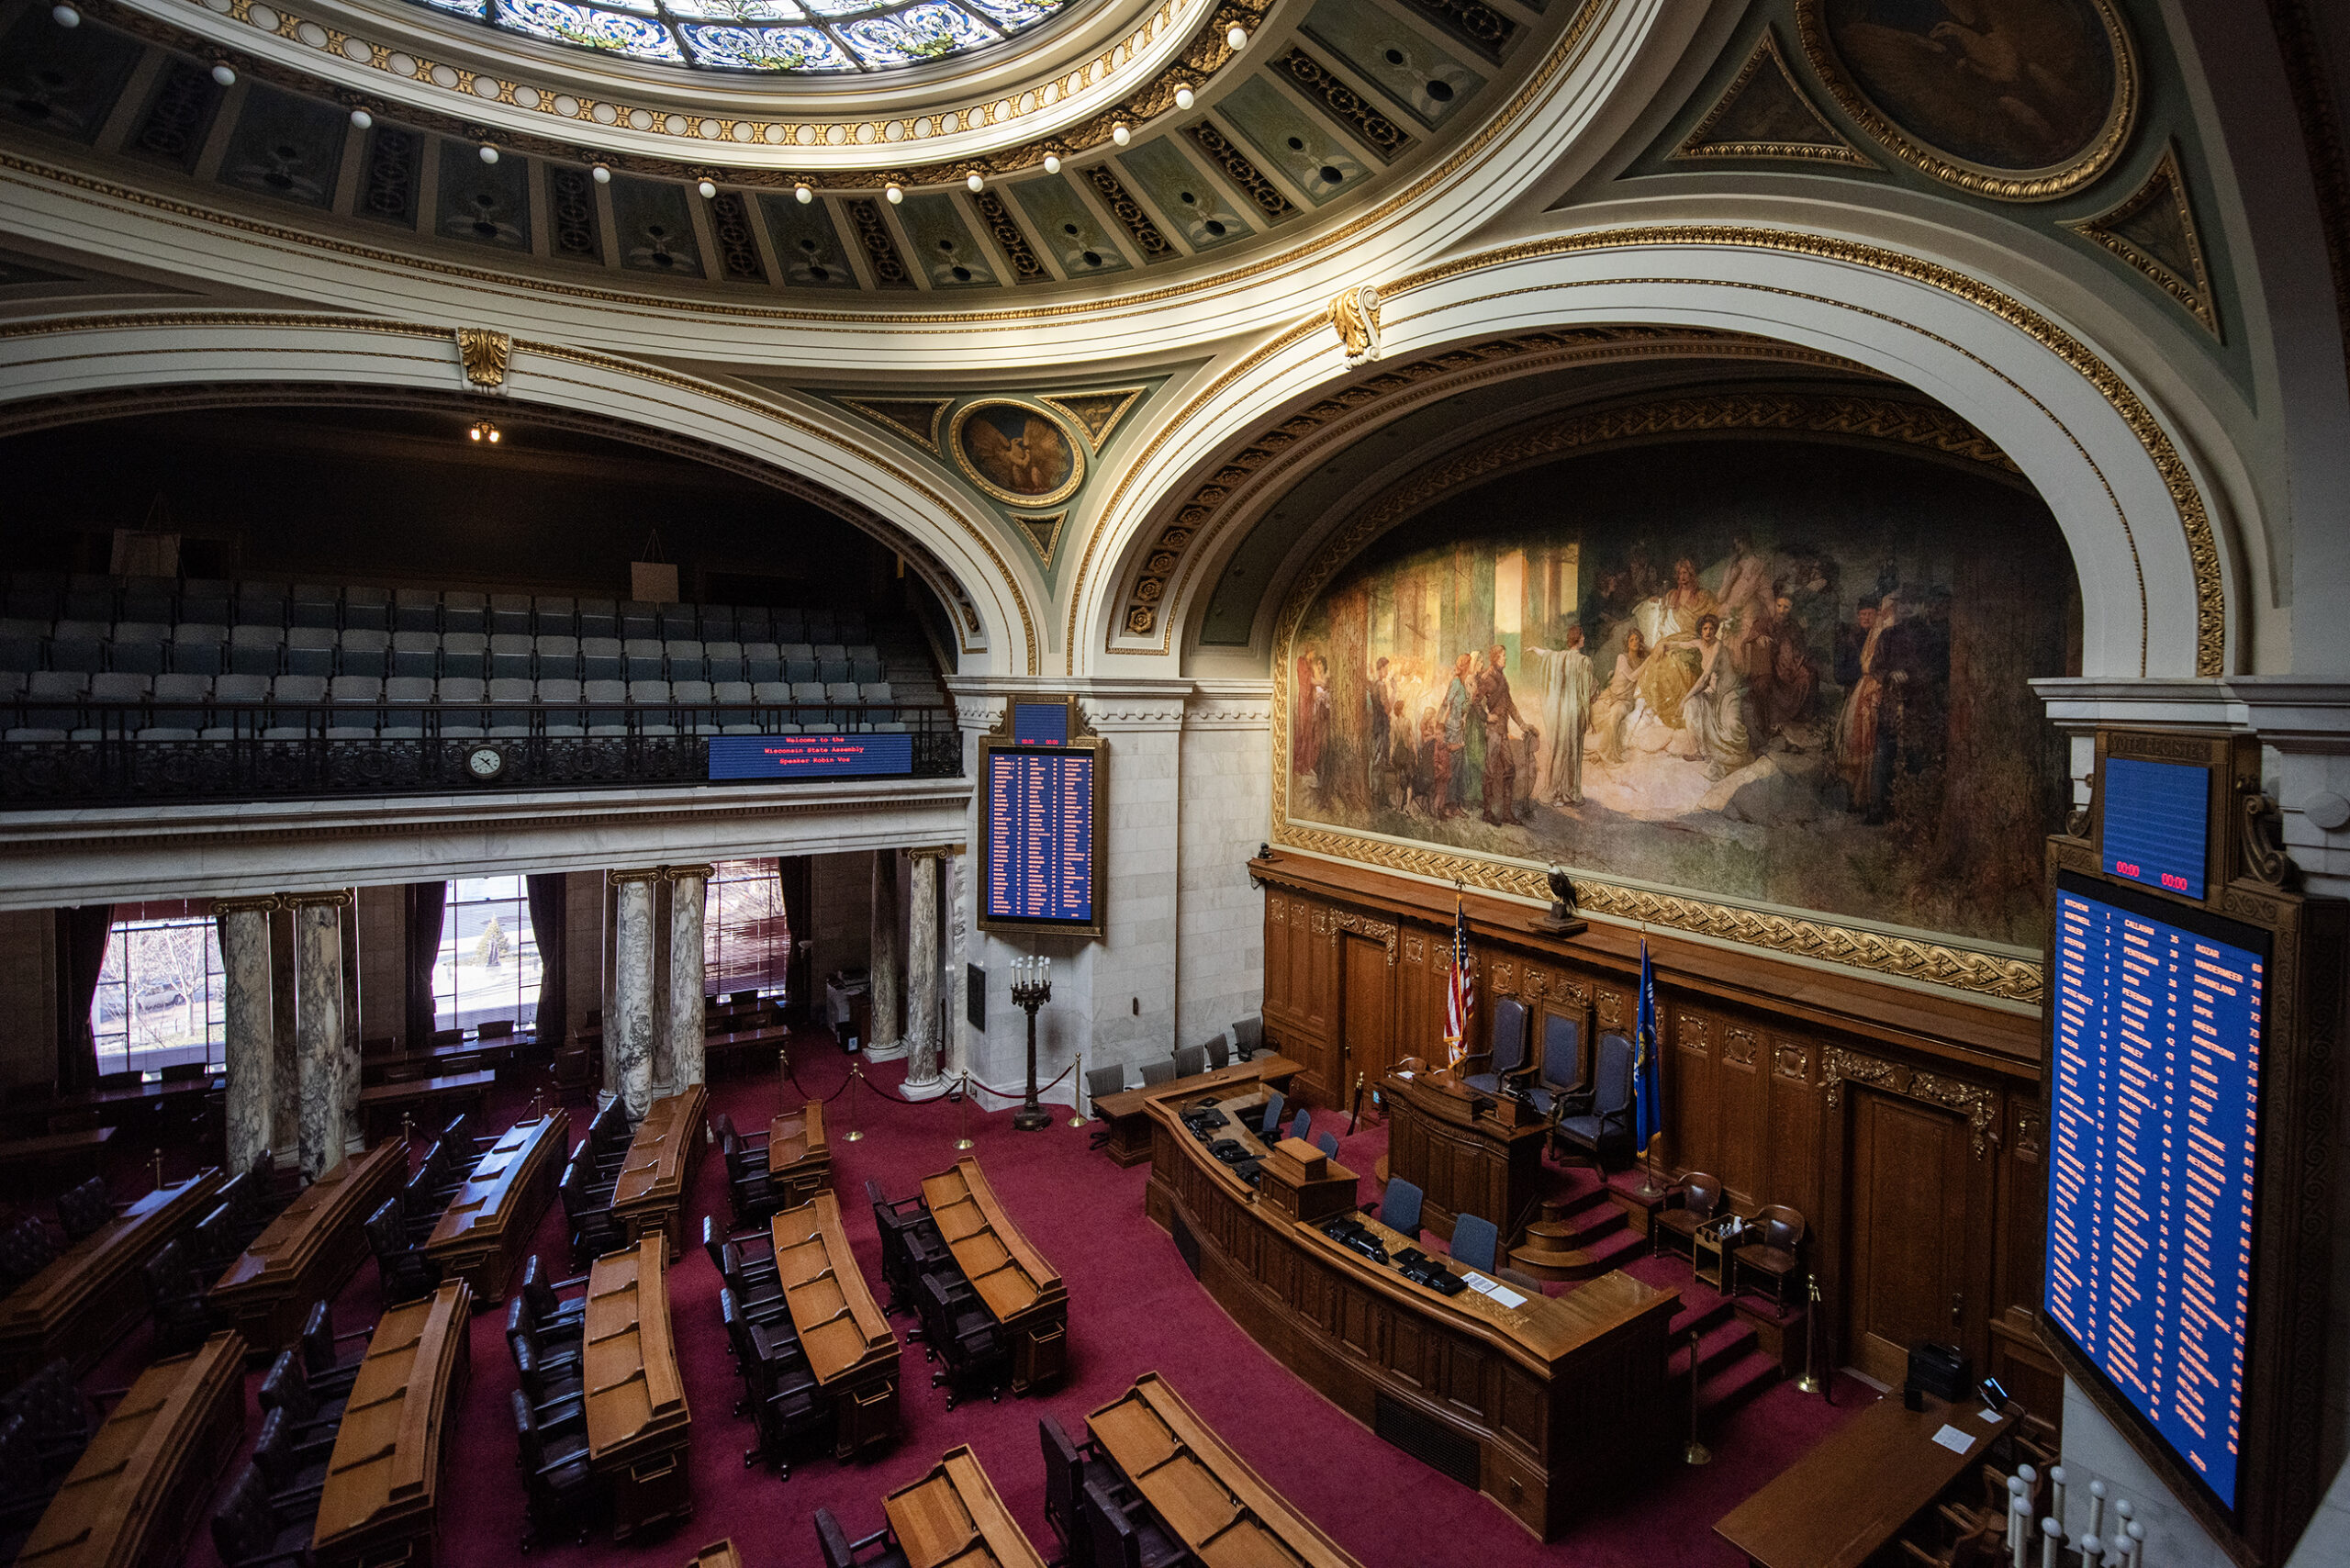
(849, 1344)
(1022, 1292)
(799, 1156)
(92, 1294)
(953, 1517)
(492, 1219)
(309, 1252)
(382, 1498)
(1546, 1404)
(139, 1490)
(650, 1195)
(637, 1419)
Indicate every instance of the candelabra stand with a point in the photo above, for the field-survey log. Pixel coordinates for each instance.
(1032, 987)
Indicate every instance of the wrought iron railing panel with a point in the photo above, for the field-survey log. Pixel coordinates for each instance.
(102, 758)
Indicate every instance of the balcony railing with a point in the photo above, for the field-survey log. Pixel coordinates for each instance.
(59, 755)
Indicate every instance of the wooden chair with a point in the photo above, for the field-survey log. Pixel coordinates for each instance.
(1701, 1199)
(1776, 1256)
(1505, 1054)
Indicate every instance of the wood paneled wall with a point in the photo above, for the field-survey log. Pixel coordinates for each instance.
(1904, 1126)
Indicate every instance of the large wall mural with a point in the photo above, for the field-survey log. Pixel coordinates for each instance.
(1726, 668)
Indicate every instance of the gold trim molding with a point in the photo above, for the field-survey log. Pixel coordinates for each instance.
(1976, 179)
(484, 352)
(1700, 145)
(1981, 1105)
(1073, 438)
(2165, 186)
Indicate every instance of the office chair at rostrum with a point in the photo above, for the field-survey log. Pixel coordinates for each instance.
(1098, 1081)
(969, 1344)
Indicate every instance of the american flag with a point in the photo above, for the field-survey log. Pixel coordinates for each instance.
(1459, 996)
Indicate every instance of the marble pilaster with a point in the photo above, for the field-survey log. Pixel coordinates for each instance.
(628, 1026)
(684, 1018)
(921, 972)
(885, 965)
(249, 1014)
(320, 1027)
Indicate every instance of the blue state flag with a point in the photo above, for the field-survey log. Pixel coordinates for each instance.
(1647, 1095)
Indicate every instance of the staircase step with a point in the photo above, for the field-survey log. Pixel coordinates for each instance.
(1718, 1345)
(1735, 1384)
(1700, 1316)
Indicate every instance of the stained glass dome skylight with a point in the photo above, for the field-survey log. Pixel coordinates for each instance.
(802, 36)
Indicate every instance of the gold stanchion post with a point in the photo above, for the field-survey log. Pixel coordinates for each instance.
(1811, 1382)
(1076, 1116)
(159, 1170)
(1696, 1452)
(964, 1141)
(855, 1133)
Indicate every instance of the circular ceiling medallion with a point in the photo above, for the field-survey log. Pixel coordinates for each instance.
(2023, 100)
(1018, 451)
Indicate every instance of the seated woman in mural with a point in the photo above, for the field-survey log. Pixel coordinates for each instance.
(1670, 621)
(1715, 709)
(1611, 713)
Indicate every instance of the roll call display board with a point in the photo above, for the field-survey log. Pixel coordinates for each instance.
(2154, 1147)
(2157, 820)
(811, 755)
(1040, 836)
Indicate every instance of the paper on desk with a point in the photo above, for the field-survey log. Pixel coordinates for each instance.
(1500, 1293)
(1951, 1437)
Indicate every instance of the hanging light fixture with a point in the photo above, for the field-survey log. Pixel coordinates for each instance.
(1121, 135)
(1237, 39)
(803, 193)
(602, 175)
(361, 119)
(1184, 99)
(708, 189)
(974, 184)
(895, 193)
(65, 16)
(225, 74)
(483, 434)
(488, 153)
(1052, 163)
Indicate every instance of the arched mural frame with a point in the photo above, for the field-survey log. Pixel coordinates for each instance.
(117, 365)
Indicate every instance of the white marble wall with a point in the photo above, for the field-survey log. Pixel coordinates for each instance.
(628, 1023)
(319, 1025)
(886, 966)
(687, 976)
(1226, 814)
(249, 1019)
(922, 970)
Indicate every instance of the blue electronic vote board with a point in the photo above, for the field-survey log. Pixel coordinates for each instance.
(1040, 836)
(2154, 1144)
(2155, 820)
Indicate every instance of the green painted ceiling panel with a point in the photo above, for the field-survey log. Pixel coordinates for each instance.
(1409, 69)
(1193, 203)
(1299, 145)
(1062, 221)
(488, 204)
(941, 243)
(806, 242)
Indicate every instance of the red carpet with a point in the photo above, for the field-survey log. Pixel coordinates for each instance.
(1132, 1308)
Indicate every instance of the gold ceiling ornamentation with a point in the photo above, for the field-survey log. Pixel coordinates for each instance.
(1980, 1105)
(1098, 414)
(1355, 315)
(2153, 230)
(1044, 533)
(1766, 114)
(584, 116)
(484, 352)
(1184, 541)
(916, 418)
(1902, 421)
(1900, 127)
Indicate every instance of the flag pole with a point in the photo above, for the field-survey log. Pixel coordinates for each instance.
(1646, 1072)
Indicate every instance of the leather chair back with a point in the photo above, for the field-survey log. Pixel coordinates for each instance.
(1782, 1227)
(1115, 1542)
(244, 1527)
(284, 1388)
(1476, 1242)
(1562, 1053)
(1064, 1473)
(832, 1541)
(1100, 1081)
(1269, 1128)
(1703, 1194)
(1508, 1040)
(1190, 1060)
(1218, 1051)
(1399, 1208)
(1158, 1072)
(1613, 1083)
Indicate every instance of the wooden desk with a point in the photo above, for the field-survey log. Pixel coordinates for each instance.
(1203, 1492)
(84, 1150)
(637, 1419)
(850, 1346)
(91, 1295)
(1485, 1163)
(952, 1518)
(1022, 1291)
(380, 1108)
(659, 1174)
(382, 1498)
(1838, 1503)
(404, 1066)
(799, 1157)
(718, 1555)
(140, 1490)
(309, 1250)
(1130, 1128)
(726, 1046)
(492, 1220)
(1546, 1406)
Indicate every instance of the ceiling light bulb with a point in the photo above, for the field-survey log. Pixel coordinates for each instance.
(225, 74)
(488, 153)
(483, 431)
(65, 16)
(975, 185)
(1184, 99)
(894, 194)
(1237, 39)
(1052, 163)
(600, 174)
(495, 436)
(804, 194)
(709, 191)
(1121, 135)
(361, 119)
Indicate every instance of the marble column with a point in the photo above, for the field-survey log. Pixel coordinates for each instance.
(628, 1023)
(250, 1017)
(347, 917)
(922, 973)
(688, 885)
(318, 1027)
(885, 965)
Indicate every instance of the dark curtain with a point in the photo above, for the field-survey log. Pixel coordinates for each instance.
(427, 904)
(81, 936)
(549, 897)
(791, 870)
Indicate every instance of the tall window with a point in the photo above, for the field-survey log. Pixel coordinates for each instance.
(745, 940)
(489, 966)
(160, 1001)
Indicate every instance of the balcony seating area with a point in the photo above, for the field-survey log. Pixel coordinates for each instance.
(86, 657)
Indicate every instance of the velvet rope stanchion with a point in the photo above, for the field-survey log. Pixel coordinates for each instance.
(1811, 1382)
(964, 1141)
(1076, 1116)
(856, 1075)
(1696, 1452)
